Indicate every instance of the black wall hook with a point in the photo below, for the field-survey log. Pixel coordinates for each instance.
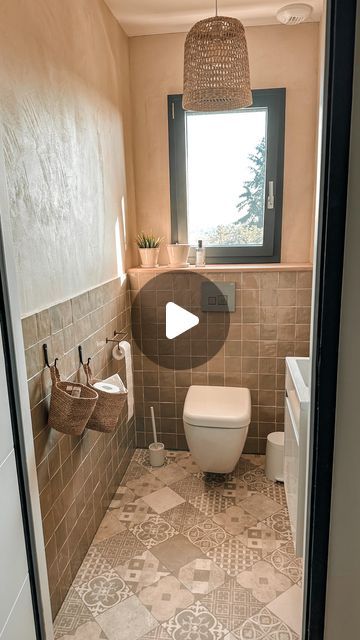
(81, 356)
(46, 356)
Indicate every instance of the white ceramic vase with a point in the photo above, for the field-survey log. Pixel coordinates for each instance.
(149, 257)
(178, 255)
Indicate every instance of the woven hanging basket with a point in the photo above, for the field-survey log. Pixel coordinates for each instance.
(216, 71)
(71, 405)
(105, 416)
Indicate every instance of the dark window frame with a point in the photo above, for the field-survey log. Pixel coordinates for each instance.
(270, 251)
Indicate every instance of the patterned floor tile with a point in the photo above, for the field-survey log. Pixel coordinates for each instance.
(232, 562)
(262, 538)
(145, 485)
(73, 614)
(170, 474)
(188, 487)
(118, 549)
(166, 598)
(142, 571)
(201, 576)
(231, 604)
(187, 463)
(153, 531)
(289, 608)
(110, 526)
(128, 619)
(260, 506)
(257, 479)
(122, 496)
(210, 502)
(233, 556)
(265, 626)
(133, 472)
(159, 633)
(264, 581)
(174, 456)
(235, 490)
(94, 564)
(163, 499)
(183, 516)
(234, 520)
(195, 623)
(133, 513)
(176, 552)
(103, 592)
(206, 535)
(243, 466)
(276, 491)
(280, 523)
(285, 560)
(87, 631)
(253, 458)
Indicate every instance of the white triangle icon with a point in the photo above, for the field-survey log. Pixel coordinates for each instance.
(178, 320)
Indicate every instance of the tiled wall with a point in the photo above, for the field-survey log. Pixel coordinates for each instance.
(271, 321)
(77, 476)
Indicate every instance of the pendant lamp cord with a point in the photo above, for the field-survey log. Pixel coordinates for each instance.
(216, 8)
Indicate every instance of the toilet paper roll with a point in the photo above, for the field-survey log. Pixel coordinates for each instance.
(107, 387)
(119, 353)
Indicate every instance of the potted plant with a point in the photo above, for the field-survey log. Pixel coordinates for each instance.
(149, 248)
(178, 254)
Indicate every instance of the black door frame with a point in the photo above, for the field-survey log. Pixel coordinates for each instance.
(338, 85)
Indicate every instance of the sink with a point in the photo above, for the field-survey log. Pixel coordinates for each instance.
(297, 402)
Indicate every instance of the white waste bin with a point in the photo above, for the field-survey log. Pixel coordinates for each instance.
(274, 461)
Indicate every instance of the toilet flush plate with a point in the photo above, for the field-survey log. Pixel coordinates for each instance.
(168, 325)
(218, 296)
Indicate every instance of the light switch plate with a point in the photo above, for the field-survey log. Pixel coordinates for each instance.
(218, 296)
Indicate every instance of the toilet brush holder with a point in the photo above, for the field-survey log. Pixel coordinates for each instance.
(157, 454)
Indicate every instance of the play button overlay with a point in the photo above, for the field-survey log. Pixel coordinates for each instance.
(173, 327)
(178, 320)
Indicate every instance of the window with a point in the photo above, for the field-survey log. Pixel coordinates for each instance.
(226, 178)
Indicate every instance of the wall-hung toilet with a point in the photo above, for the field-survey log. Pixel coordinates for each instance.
(216, 423)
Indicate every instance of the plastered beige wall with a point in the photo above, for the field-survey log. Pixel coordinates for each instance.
(65, 110)
(279, 57)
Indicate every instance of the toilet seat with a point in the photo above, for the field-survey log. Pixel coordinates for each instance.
(218, 407)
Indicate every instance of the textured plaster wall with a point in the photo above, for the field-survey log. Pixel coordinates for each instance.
(65, 110)
(279, 57)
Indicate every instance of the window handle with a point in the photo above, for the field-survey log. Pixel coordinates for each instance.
(271, 199)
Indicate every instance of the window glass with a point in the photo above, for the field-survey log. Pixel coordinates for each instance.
(226, 174)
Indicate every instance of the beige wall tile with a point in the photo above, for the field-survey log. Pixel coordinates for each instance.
(30, 331)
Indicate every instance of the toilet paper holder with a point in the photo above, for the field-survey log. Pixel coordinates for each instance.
(119, 336)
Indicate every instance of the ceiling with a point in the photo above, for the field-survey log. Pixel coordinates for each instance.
(145, 17)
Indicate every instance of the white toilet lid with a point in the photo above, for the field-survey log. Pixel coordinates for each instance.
(221, 407)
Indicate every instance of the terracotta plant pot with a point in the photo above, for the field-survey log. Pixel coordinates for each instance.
(178, 255)
(149, 258)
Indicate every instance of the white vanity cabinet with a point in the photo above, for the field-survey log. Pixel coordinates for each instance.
(296, 436)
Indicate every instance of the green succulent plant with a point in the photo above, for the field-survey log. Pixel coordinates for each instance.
(147, 241)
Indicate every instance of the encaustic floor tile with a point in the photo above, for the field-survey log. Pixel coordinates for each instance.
(183, 555)
(195, 622)
(231, 604)
(265, 625)
(142, 571)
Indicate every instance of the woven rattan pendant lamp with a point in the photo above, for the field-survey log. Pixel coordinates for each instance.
(216, 69)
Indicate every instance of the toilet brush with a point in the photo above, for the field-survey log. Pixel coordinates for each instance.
(156, 449)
